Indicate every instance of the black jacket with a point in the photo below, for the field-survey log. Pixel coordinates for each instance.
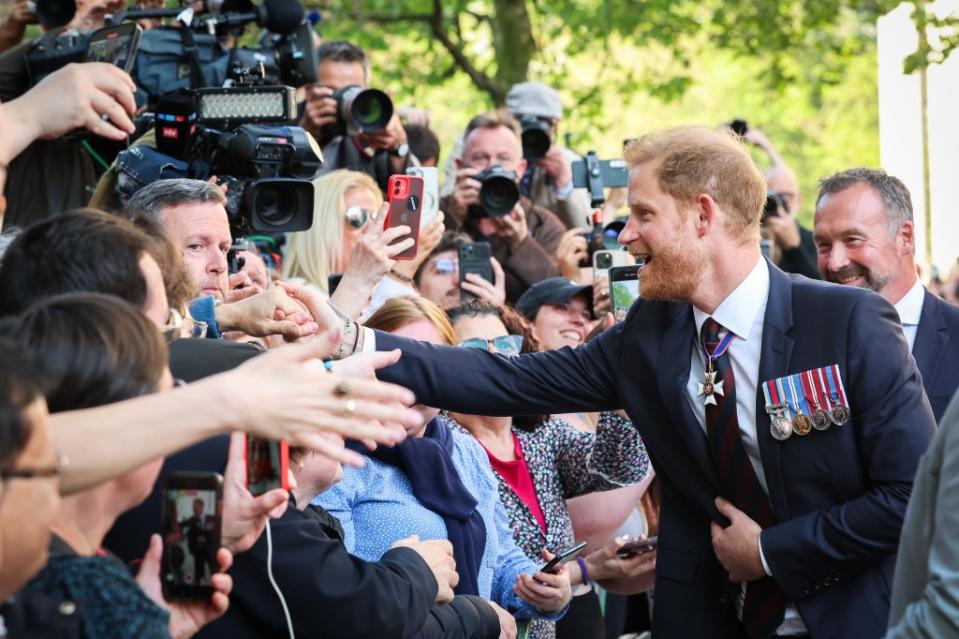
(332, 594)
(802, 259)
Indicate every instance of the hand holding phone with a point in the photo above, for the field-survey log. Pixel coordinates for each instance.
(474, 257)
(267, 464)
(562, 557)
(637, 545)
(406, 207)
(191, 531)
(623, 289)
(116, 45)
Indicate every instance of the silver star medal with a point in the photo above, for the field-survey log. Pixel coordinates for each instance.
(710, 388)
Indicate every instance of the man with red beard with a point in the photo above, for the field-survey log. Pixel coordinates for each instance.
(784, 416)
(865, 236)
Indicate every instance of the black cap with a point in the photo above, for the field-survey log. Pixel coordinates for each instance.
(555, 290)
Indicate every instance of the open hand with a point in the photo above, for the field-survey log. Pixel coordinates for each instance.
(244, 516)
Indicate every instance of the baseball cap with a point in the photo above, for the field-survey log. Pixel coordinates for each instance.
(534, 98)
(555, 290)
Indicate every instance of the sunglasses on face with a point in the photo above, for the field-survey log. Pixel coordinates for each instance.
(445, 266)
(357, 216)
(508, 345)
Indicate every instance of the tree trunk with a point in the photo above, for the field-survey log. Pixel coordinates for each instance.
(513, 42)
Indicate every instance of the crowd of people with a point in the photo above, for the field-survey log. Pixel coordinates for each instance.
(752, 452)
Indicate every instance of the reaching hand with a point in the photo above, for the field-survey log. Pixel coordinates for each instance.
(320, 111)
(244, 516)
(373, 254)
(602, 304)
(186, 618)
(430, 236)
(465, 193)
(271, 312)
(288, 394)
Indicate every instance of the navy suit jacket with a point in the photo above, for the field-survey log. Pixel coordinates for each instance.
(839, 495)
(936, 350)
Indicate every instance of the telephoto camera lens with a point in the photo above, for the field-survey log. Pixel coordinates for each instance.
(774, 202)
(535, 138)
(274, 206)
(499, 192)
(364, 110)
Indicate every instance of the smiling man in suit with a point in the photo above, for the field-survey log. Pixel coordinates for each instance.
(865, 236)
(763, 532)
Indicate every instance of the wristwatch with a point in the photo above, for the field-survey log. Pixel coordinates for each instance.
(400, 151)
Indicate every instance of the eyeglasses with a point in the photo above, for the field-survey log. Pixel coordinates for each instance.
(30, 473)
(357, 216)
(177, 326)
(445, 266)
(509, 345)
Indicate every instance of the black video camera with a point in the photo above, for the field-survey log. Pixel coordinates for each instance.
(53, 14)
(361, 110)
(499, 192)
(535, 137)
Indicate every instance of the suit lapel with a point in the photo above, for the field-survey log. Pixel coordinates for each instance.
(931, 339)
(774, 362)
(672, 374)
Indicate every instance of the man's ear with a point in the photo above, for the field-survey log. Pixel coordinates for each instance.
(705, 210)
(907, 237)
(459, 163)
(521, 165)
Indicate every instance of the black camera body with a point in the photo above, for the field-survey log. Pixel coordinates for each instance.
(54, 50)
(774, 202)
(499, 191)
(535, 137)
(361, 110)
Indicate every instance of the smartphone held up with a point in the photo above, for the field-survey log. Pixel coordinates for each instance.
(405, 195)
(191, 530)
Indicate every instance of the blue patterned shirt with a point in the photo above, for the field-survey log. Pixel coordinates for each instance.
(376, 506)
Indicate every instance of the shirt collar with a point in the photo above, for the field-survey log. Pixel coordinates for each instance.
(910, 306)
(738, 311)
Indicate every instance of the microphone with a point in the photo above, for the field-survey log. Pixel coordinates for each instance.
(174, 125)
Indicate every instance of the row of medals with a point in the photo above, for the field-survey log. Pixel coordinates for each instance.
(782, 428)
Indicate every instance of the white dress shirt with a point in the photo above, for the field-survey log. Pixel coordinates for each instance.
(910, 310)
(743, 313)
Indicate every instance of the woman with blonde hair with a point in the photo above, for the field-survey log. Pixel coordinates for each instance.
(348, 237)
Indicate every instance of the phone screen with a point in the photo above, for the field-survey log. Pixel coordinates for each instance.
(267, 462)
(191, 536)
(623, 293)
(114, 45)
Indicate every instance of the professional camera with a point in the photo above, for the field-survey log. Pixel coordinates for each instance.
(535, 137)
(601, 238)
(361, 110)
(53, 14)
(244, 137)
(499, 192)
(774, 202)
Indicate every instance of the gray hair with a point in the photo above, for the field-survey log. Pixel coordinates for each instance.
(152, 199)
(894, 194)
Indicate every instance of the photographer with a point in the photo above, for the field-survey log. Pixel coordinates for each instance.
(194, 214)
(379, 154)
(524, 240)
(794, 246)
(548, 180)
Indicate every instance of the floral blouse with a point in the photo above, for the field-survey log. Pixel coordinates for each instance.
(566, 462)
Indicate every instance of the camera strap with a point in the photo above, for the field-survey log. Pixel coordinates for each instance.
(192, 57)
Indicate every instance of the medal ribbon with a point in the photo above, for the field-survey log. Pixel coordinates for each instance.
(716, 354)
(835, 381)
(809, 390)
(794, 396)
(772, 397)
(822, 386)
(782, 394)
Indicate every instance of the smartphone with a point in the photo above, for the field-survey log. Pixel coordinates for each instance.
(267, 464)
(623, 289)
(637, 545)
(474, 258)
(431, 191)
(605, 260)
(406, 208)
(191, 526)
(562, 557)
(115, 45)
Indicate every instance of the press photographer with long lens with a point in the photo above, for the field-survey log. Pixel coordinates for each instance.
(486, 200)
(795, 249)
(356, 125)
(548, 180)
